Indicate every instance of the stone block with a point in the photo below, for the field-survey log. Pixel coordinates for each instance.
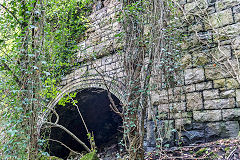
(219, 130)
(215, 72)
(224, 4)
(195, 6)
(237, 17)
(151, 137)
(219, 103)
(219, 83)
(232, 83)
(178, 106)
(163, 108)
(227, 94)
(193, 137)
(186, 60)
(200, 59)
(194, 75)
(238, 96)
(230, 129)
(204, 85)
(190, 88)
(194, 101)
(210, 94)
(231, 114)
(207, 115)
(221, 53)
(180, 115)
(228, 31)
(221, 18)
(180, 123)
(212, 131)
(236, 43)
(196, 125)
(236, 12)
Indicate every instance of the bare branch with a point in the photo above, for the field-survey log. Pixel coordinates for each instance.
(70, 133)
(75, 152)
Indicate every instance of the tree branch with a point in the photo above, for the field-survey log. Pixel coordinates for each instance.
(70, 133)
(63, 145)
(11, 13)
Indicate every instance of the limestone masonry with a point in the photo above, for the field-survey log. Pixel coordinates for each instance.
(208, 107)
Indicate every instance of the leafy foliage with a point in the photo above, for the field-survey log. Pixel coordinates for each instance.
(38, 44)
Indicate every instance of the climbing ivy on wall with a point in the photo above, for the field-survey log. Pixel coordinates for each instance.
(151, 53)
(38, 44)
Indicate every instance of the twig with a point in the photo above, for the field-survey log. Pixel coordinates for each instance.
(79, 114)
(63, 145)
(70, 133)
(230, 155)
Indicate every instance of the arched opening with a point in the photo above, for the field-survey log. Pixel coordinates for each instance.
(94, 105)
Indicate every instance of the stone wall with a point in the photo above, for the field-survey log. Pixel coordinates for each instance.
(206, 107)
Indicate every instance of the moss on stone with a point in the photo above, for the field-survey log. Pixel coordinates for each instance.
(219, 83)
(232, 83)
(201, 61)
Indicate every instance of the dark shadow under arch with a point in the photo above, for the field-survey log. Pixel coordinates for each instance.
(94, 105)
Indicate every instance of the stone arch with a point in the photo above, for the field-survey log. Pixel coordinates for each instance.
(116, 89)
(82, 84)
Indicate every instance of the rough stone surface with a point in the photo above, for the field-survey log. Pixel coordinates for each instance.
(224, 4)
(230, 129)
(219, 83)
(238, 95)
(193, 136)
(205, 104)
(232, 83)
(193, 7)
(206, 116)
(231, 114)
(236, 43)
(151, 137)
(211, 94)
(194, 75)
(194, 101)
(180, 123)
(190, 88)
(221, 18)
(228, 94)
(213, 73)
(219, 103)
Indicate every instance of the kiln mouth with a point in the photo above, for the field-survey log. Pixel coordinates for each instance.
(94, 106)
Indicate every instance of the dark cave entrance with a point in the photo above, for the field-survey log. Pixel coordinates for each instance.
(105, 124)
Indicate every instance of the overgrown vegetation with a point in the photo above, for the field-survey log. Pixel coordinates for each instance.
(38, 47)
